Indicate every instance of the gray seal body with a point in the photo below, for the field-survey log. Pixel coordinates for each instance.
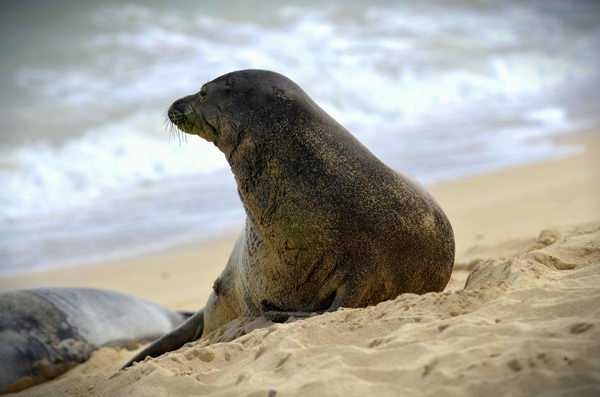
(328, 224)
(44, 332)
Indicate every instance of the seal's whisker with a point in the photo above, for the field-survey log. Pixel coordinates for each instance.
(178, 133)
(168, 126)
(173, 130)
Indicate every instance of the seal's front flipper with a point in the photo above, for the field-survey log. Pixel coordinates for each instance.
(188, 331)
(280, 316)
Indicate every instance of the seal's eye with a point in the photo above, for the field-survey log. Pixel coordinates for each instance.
(203, 92)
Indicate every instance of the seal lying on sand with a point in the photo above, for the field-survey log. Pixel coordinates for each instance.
(45, 332)
(328, 224)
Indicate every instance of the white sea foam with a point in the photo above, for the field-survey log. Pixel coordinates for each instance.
(126, 152)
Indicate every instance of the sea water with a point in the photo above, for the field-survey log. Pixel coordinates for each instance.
(439, 90)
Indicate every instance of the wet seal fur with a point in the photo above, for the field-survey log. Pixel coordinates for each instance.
(45, 332)
(328, 224)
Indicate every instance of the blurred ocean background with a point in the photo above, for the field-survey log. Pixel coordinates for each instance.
(438, 90)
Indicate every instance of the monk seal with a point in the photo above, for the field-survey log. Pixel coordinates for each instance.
(328, 224)
(44, 332)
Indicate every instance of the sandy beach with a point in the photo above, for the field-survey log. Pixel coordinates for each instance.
(527, 322)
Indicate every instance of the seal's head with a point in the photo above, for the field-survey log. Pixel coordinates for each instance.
(224, 108)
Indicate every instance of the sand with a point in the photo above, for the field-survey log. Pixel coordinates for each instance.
(526, 323)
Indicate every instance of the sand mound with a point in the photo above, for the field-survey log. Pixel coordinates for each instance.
(524, 325)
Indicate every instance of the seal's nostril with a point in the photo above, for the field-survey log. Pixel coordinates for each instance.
(178, 109)
(173, 114)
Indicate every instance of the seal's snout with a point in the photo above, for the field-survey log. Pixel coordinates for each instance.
(173, 114)
(179, 110)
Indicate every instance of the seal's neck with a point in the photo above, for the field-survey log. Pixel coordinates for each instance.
(299, 170)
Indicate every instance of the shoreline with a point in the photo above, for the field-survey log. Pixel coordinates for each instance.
(105, 230)
(496, 213)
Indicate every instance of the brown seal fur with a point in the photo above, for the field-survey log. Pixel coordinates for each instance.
(328, 224)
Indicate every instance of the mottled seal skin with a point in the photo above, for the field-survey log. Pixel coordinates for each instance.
(328, 224)
(44, 332)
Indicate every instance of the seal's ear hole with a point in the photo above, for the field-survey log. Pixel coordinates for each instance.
(203, 91)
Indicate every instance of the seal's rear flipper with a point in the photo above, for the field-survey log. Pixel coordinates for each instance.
(188, 331)
(278, 316)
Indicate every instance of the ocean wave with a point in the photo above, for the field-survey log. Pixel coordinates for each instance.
(389, 62)
(127, 152)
